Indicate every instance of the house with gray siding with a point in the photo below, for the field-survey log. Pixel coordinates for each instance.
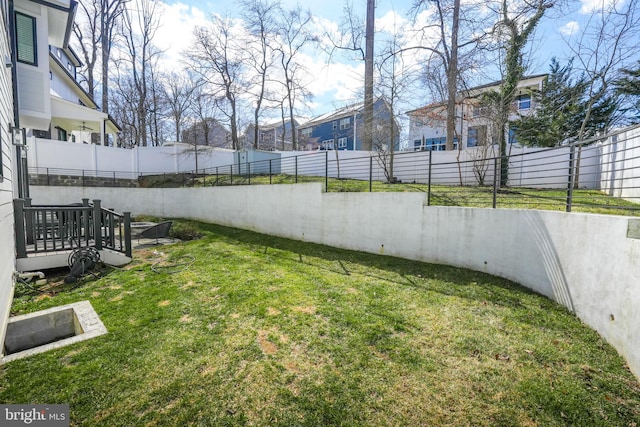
(341, 129)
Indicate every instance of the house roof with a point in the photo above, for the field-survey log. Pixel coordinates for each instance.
(342, 112)
(471, 92)
(347, 110)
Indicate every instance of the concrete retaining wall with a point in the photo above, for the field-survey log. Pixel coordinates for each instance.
(588, 263)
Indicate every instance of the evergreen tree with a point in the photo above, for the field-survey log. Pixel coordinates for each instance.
(560, 109)
(629, 85)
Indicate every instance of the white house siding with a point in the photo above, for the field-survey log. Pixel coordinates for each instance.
(33, 81)
(7, 251)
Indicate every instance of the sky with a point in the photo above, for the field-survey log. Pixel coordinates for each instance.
(339, 83)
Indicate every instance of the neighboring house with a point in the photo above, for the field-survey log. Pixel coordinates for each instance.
(342, 129)
(271, 137)
(474, 121)
(52, 104)
(208, 132)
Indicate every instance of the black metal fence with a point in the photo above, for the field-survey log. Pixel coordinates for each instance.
(597, 175)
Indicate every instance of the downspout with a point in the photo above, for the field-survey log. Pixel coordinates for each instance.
(23, 181)
(355, 135)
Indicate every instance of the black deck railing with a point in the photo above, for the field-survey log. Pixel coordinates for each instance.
(50, 228)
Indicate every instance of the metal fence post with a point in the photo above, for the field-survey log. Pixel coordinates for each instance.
(495, 182)
(217, 178)
(97, 224)
(127, 234)
(231, 175)
(48, 180)
(18, 215)
(270, 171)
(429, 180)
(572, 152)
(296, 170)
(370, 174)
(114, 178)
(83, 177)
(29, 219)
(249, 171)
(326, 171)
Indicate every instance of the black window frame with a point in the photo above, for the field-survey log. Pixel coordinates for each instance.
(35, 39)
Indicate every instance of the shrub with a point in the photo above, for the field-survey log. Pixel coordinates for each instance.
(184, 231)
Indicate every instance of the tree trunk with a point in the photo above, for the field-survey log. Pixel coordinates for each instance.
(367, 140)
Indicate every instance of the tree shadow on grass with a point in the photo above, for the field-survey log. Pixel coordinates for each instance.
(443, 279)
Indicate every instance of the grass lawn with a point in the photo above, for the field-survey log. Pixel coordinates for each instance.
(260, 331)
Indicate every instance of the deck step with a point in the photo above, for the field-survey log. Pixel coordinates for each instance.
(47, 260)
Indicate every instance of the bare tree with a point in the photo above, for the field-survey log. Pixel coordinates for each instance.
(607, 43)
(87, 31)
(260, 18)
(454, 43)
(217, 57)
(111, 12)
(293, 38)
(396, 78)
(351, 36)
(96, 31)
(140, 25)
(178, 90)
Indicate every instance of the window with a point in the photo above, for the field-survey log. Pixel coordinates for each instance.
(62, 134)
(327, 144)
(306, 133)
(417, 145)
(335, 125)
(524, 102)
(477, 136)
(345, 123)
(26, 39)
(342, 142)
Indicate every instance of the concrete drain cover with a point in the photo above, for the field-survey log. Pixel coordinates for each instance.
(46, 330)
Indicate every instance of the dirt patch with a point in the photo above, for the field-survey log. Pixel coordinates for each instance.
(309, 309)
(164, 303)
(186, 319)
(273, 311)
(267, 346)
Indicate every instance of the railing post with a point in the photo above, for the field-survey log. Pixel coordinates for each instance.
(19, 220)
(86, 223)
(97, 224)
(217, 178)
(48, 180)
(249, 171)
(114, 178)
(429, 180)
(127, 234)
(28, 221)
(296, 169)
(570, 183)
(83, 177)
(270, 171)
(326, 171)
(231, 175)
(495, 182)
(370, 174)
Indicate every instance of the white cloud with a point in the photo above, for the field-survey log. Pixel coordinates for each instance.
(570, 28)
(175, 35)
(590, 6)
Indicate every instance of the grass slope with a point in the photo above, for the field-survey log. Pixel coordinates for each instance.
(267, 331)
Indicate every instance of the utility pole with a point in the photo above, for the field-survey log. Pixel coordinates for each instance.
(367, 140)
